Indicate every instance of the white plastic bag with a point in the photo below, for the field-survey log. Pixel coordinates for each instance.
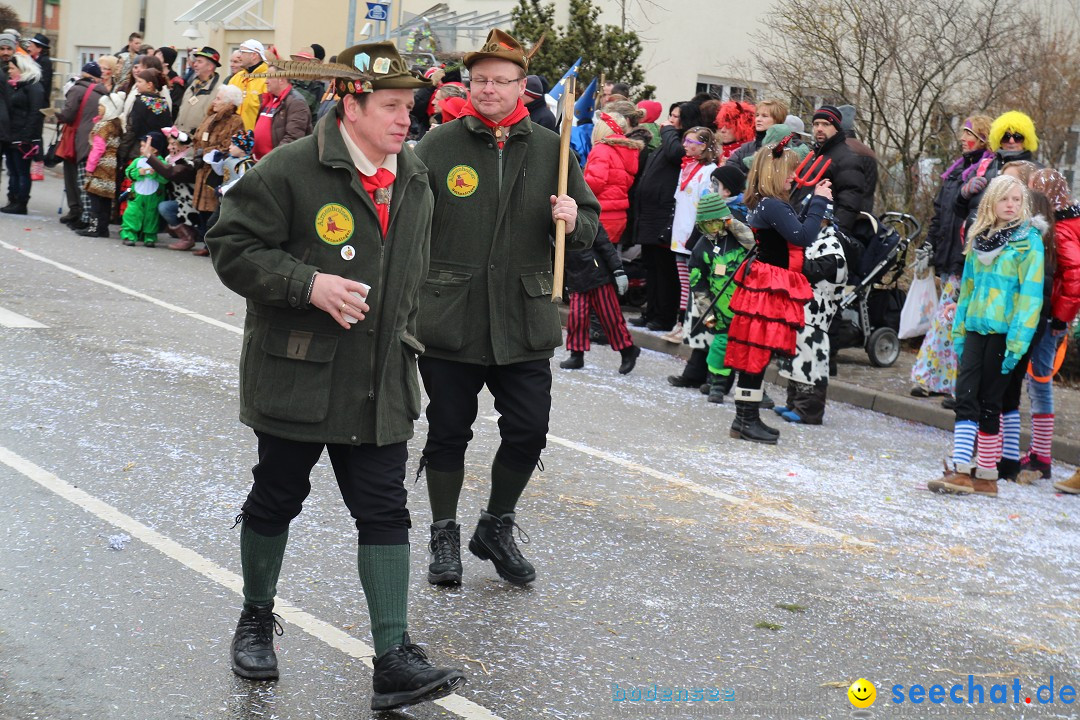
(918, 313)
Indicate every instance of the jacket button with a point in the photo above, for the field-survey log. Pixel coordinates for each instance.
(438, 293)
(491, 267)
(292, 301)
(353, 438)
(371, 395)
(371, 331)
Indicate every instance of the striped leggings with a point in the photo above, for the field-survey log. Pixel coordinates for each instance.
(605, 303)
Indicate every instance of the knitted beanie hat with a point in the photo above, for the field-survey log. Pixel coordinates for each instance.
(712, 207)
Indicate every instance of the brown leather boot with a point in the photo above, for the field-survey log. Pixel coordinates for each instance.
(186, 235)
(984, 482)
(1071, 486)
(956, 481)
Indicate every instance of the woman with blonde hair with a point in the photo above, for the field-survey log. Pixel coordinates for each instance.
(108, 65)
(26, 99)
(766, 114)
(934, 372)
(770, 289)
(611, 168)
(1001, 296)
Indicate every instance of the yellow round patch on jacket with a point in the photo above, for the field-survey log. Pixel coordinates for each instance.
(334, 223)
(462, 180)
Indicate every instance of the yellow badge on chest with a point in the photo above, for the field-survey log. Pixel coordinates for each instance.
(334, 223)
(462, 181)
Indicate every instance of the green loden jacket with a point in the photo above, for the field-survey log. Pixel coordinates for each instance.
(300, 210)
(487, 298)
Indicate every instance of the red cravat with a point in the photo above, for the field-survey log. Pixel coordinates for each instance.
(382, 178)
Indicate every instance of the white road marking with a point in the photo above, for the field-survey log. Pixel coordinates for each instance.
(319, 629)
(704, 490)
(126, 290)
(15, 320)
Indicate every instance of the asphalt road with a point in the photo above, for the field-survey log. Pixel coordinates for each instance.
(664, 549)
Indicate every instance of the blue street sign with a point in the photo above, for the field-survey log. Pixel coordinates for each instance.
(377, 11)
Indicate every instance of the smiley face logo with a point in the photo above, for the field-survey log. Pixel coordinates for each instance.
(862, 693)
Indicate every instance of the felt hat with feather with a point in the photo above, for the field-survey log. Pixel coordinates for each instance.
(503, 46)
(359, 69)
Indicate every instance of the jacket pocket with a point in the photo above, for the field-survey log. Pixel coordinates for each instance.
(293, 381)
(411, 347)
(543, 330)
(443, 303)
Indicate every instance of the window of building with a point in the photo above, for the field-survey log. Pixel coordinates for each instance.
(87, 53)
(727, 89)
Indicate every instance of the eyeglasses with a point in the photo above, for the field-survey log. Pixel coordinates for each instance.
(1012, 137)
(691, 141)
(484, 82)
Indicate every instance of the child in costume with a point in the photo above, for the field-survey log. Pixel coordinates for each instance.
(232, 167)
(592, 276)
(101, 163)
(767, 305)
(807, 373)
(722, 247)
(141, 220)
(1001, 297)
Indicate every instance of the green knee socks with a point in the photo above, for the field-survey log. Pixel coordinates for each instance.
(384, 575)
(506, 488)
(261, 557)
(444, 488)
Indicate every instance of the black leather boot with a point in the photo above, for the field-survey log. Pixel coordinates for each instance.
(748, 425)
(629, 359)
(404, 676)
(15, 208)
(494, 541)
(445, 547)
(576, 361)
(253, 643)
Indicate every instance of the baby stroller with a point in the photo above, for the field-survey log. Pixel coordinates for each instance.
(869, 310)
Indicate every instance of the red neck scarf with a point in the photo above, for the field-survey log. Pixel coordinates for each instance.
(381, 180)
(502, 128)
(688, 176)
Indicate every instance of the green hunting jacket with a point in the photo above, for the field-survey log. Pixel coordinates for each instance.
(487, 298)
(300, 210)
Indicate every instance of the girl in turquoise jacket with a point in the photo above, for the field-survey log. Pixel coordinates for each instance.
(1001, 295)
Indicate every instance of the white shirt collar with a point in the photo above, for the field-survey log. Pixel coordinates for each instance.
(360, 160)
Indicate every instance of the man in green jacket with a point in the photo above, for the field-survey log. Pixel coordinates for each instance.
(486, 315)
(328, 239)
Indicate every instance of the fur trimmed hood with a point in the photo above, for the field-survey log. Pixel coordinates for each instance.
(622, 141)
(1013, 121)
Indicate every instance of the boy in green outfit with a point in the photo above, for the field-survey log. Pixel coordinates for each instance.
(722, 248)
(141, 219)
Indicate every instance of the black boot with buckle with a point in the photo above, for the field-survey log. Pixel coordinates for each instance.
(494, 541)
(253, 643)
(404, 676)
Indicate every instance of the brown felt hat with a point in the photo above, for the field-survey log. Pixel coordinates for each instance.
(502, 46)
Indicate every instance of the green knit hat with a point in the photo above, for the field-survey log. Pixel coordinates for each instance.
(712, 207)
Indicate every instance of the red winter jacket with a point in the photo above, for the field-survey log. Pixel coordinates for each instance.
(1065, 298)
(610, 171)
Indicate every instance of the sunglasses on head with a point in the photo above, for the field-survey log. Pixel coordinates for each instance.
(1012, 137)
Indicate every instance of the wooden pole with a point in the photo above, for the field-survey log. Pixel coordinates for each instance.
(564, 169)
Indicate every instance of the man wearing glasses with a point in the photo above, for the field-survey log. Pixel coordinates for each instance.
(486, 315)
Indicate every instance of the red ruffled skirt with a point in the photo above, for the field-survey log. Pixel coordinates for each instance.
(768, 313)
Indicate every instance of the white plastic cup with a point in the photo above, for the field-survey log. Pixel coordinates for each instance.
(350, 318)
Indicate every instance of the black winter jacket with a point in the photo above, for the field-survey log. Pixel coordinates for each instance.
(945, 233)
(541, 114)
(26, 120)
(5, 106)
(654, 195)
(849, 182)
(970, 206)
(594, 266)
